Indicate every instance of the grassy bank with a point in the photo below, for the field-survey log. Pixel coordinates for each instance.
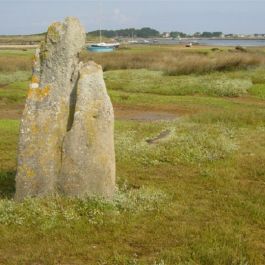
(170, 60)
(194, 196)
(176, 61)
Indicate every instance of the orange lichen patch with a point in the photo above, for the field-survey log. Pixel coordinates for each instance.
(38, 93)
(35, 79)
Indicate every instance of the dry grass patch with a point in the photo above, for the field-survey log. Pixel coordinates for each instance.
(177, 62)
(15, 63)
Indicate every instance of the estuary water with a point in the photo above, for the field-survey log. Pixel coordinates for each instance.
(214, 42)
(244, 43)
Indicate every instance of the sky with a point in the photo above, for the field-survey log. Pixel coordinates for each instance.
(189, 16)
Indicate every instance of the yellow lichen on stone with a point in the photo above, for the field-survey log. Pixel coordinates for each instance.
(28, 172)
(34, 79)
(53, 33)
(53, 27)
(34, 60)
(34, 128)
(38, 94)
(43, 51)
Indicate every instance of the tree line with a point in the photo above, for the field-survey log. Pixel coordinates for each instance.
(204, 34)
(147, 32)
(130, 32)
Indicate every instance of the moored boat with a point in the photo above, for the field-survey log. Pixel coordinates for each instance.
(103, 44)
(93, 48)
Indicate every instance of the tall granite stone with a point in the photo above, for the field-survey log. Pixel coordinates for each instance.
(49, 114)
(88, 158)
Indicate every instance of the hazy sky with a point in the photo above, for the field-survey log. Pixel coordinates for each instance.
(229, 16)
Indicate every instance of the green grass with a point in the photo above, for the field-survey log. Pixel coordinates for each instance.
(258, 90)
(195, 197)
(7, 78)
(156, 82)
(8, 132)
(8, 148)
(186, 200)
(14, 92)
(15, 53)
(186, 143)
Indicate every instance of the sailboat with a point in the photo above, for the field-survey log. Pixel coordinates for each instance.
(102, 46)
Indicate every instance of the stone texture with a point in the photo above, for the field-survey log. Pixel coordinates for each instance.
(88, 158)
(50, 112)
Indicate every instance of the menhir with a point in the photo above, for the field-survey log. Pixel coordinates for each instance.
(66, 135)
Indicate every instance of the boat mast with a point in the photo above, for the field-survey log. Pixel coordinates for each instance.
(100, 13)
(100, 37)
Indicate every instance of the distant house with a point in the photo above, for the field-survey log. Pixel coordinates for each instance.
(166, 35)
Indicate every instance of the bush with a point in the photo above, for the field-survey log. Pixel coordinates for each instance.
(240, 48)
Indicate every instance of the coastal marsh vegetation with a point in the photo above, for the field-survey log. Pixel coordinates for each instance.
(156, 82)
(195, 196)
(178, 61)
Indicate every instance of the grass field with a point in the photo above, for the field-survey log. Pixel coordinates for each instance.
(190, 186)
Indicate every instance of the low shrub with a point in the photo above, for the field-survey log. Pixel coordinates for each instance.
(155, 82)
(187, 143)
(50, 212)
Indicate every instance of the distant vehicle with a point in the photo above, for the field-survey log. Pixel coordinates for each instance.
(189, 45)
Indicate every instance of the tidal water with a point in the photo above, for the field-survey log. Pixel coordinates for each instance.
(244, 43)
(213, 42)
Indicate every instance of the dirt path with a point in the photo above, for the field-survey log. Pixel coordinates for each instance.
(122, 112)
(11, 111)
(148, 113)
(247, 100)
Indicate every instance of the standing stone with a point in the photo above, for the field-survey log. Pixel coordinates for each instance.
(48, 119)
(88, 158)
